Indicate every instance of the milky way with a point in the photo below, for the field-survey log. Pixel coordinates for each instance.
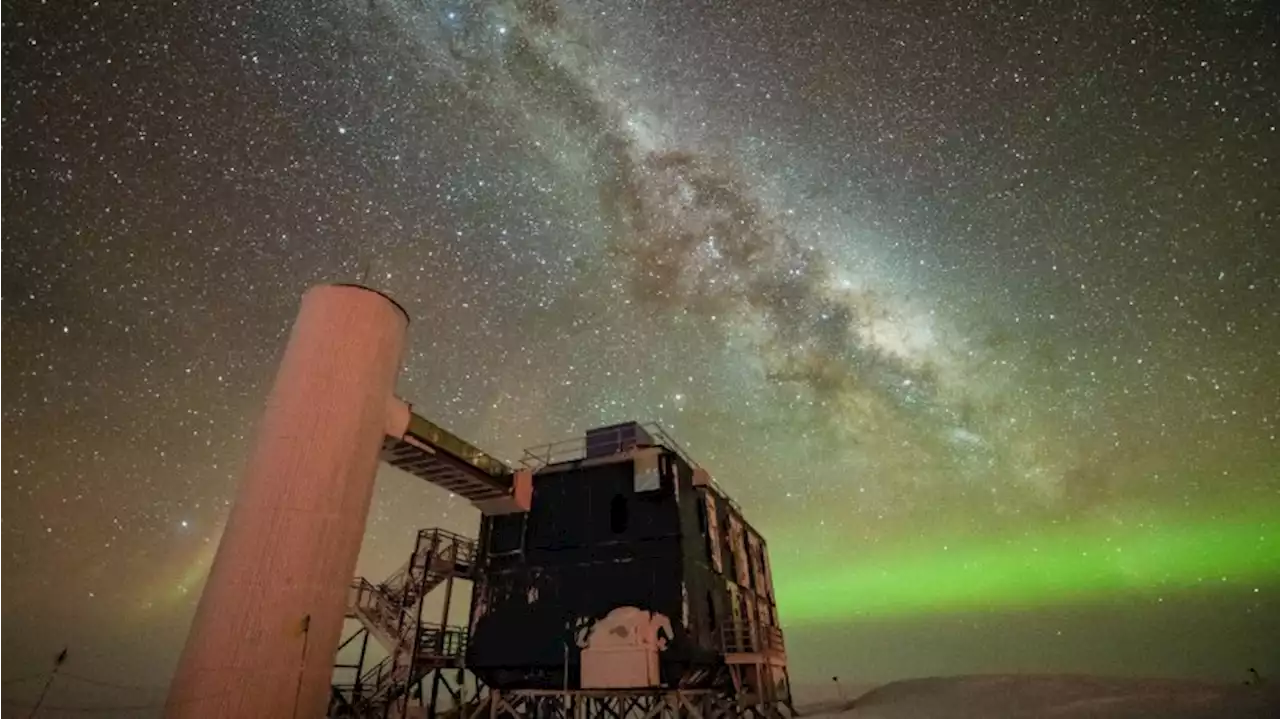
(685, 228)
(968, 306)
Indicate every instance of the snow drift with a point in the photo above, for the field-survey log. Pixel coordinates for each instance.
(1057, 696)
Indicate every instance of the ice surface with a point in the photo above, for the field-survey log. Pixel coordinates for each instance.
(1056, 696)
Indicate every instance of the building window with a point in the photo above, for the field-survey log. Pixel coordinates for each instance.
(618, 514)
(713, 532)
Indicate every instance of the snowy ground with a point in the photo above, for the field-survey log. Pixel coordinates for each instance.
(1055, 696)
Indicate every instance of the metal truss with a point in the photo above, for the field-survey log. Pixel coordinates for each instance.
(621, 704)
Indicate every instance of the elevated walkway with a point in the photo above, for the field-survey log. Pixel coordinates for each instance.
(430, 452)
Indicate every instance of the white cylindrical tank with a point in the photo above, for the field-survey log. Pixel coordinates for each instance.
(269, 621)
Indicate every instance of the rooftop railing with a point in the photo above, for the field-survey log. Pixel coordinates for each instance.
(621, 438)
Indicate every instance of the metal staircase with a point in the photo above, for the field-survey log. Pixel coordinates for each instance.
(391, 613)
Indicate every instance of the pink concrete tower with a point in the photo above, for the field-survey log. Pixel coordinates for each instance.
(268, 624)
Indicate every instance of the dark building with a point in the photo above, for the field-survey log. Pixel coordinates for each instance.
(631, 569)
(612, 579)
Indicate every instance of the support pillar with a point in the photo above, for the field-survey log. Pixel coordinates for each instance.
(270, 617)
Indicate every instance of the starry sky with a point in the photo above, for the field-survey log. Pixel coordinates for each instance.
(973, 306)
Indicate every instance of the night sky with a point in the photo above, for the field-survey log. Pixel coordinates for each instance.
(973, 306)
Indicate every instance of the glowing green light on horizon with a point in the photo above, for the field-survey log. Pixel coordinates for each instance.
(1071, 563)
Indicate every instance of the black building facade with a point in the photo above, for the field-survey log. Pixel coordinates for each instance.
(631, 569)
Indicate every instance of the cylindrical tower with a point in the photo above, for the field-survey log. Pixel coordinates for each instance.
(270, 618)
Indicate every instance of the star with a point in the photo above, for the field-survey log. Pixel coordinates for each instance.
(970, 306)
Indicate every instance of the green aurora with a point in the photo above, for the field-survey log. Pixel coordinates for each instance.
(1071, 562)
